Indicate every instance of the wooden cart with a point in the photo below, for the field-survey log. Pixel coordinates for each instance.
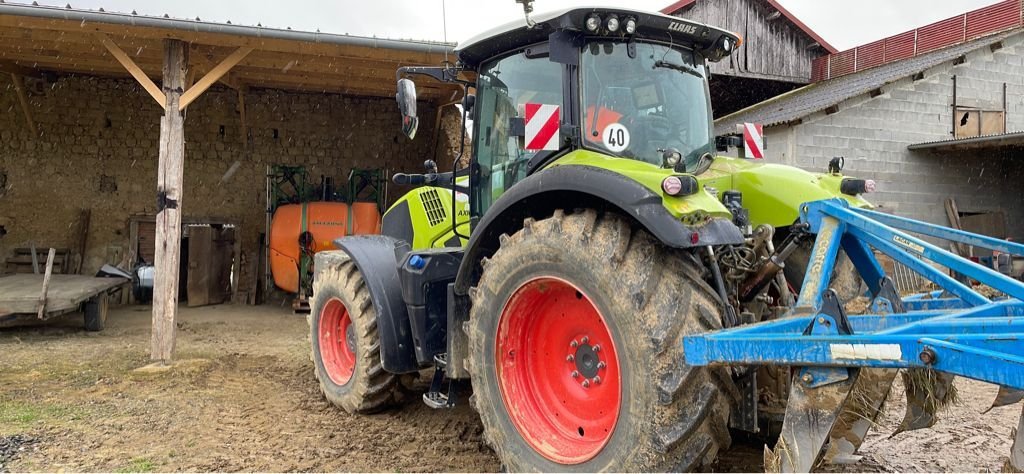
(24, 299)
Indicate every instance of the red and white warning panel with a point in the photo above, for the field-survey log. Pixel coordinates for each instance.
(753, 140)
(542, 121)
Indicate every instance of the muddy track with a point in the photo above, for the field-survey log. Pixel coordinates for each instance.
(245, 399)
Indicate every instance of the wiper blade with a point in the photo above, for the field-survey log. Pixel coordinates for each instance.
(679, 67)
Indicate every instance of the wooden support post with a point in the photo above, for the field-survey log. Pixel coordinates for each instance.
(241, 117)
(19, 87)
(46, 283)
(134, 69)
(169, 196)
(213, 76)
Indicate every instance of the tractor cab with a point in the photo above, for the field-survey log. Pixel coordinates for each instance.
(619, 83)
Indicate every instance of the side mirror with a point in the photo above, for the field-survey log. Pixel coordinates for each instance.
(406, 98)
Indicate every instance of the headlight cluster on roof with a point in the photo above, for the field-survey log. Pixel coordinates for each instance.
(611, 23)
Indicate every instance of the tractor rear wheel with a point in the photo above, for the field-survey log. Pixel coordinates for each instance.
(576, 355)
(344, 339)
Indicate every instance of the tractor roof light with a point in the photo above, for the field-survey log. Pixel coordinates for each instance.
(630, 26)
(593, 23)
(612, 24)
(679, 185)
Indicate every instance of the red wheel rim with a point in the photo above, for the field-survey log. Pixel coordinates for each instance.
(557, 370)
(336, 344)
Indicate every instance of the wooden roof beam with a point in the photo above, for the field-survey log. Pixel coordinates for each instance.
(12, 68)
(134, 70)
(213, 76)
(204, 63)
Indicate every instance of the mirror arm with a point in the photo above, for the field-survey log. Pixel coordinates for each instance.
(443, 74)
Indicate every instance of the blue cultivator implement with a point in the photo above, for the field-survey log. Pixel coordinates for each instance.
(937, 335)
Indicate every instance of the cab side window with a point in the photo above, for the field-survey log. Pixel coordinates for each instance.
(505, 86)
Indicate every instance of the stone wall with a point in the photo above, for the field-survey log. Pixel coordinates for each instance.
(873, 133)
(97, 150)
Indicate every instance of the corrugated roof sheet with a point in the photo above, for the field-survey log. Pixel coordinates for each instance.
(981, 141)
(819, 96)
(69, 12)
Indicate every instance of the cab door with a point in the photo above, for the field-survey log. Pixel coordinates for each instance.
(510, 90)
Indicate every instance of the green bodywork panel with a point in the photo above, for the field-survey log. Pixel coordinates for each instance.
(772, 193)
(430, 210)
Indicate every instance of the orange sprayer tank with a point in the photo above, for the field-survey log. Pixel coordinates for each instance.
(326, 221)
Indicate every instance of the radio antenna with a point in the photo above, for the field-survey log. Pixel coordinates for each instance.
(444, 27)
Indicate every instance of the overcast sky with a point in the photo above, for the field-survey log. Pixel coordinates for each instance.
(844, 23)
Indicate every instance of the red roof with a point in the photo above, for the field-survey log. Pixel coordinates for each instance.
(985, 21)
(681, 4)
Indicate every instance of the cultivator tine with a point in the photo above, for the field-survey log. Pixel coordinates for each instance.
(1016, 461)
(927, 392)
(810, 415)
(869, 393)
(816, 399)
(1006, 396)
(862, 409)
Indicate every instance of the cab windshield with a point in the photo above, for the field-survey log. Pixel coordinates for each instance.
(640, 99)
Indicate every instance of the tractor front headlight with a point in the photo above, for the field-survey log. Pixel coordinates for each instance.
(593, 23)
(613, 24)
(630, 26)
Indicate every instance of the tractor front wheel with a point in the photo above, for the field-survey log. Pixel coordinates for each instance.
(344, 339)
(576, 354)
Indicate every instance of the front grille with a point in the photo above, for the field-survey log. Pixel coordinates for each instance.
(432, 205)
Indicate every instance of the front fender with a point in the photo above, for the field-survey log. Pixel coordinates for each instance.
(574, 186)
(374, 256)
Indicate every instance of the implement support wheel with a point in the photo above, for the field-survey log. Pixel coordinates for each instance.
(576, 354)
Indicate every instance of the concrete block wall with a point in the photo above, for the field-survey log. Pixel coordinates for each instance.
(873, 135)
(97, 150)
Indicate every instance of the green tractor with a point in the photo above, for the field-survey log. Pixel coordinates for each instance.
(593, 228)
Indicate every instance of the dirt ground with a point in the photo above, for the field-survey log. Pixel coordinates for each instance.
(245, 400)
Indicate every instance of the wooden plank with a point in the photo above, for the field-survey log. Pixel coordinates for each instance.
(170, 169)
(80, 237)
(19, 88)
(46, 284)
(200, 265)
(953, 214)
(213, 76)
(241, 117)
(35, 259)
(133, 69)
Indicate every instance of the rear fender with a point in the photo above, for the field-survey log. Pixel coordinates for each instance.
(374, 256)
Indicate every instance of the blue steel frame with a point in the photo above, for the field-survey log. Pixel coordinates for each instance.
(956, 330)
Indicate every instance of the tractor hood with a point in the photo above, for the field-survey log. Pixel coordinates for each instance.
(774, 193)
(713, 43)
